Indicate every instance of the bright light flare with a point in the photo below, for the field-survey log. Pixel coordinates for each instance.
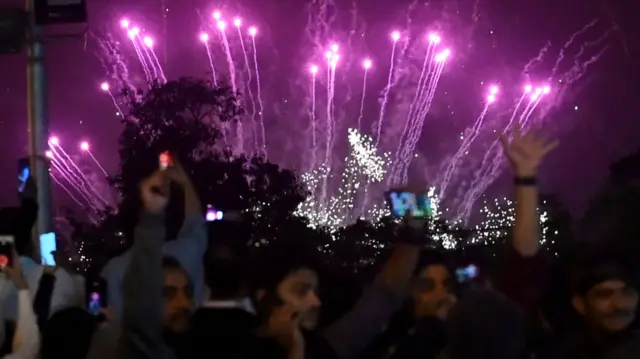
(328, 55)
(491, 98)
(334, 60)
(335, 48)
(546, 90)
(313, 69)
(148, 41)
(104, 86)
(494, 90)
(222, 25)
(217, 15)
(367, 64)
(528, 89)
(84, 145)
(237, 22)
(434, 38)
(395, 36)
(253, 31)
(538, 90)
(124, 23)
(133, 32)
(204, 37)
(48, 153)
(443, 55)
(535, 96)
(54, 140)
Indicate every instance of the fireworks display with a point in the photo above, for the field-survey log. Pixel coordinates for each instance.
(344, 106)
(499, 219)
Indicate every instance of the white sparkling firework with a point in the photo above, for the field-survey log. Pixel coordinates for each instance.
(366, 157)
(499, 219)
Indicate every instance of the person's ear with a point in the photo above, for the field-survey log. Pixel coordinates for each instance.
(579, 304)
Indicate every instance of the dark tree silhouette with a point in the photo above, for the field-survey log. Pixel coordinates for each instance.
(613, 212)
(186, 117)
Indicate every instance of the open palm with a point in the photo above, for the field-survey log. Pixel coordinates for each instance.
(526, 151)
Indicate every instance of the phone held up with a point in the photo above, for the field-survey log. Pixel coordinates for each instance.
(96, 291)
(6, 251)
(165, 160)
(406, 203)
(24, 172)
(47, 248)
(466, 274)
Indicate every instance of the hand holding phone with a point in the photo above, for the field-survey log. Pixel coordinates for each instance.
(96, 296)
(24, 172)
(406, 203)
(165, 160)
(47, 248)
(6, 251)
(466, 274)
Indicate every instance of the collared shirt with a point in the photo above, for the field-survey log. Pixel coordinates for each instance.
(244, 304)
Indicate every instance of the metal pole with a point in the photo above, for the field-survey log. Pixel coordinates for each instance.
(38, 123)
(164, 31)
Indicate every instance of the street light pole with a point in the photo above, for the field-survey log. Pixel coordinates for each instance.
(38, 121)
(164, 30)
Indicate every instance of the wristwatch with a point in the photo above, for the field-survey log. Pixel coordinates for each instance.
(525, 181)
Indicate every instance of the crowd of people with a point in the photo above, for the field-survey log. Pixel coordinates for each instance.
(198, 297)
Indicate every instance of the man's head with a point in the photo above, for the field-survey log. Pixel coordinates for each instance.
(432, 285)
(606, 295)
(288, 276)
(178, 296)
(225, 261)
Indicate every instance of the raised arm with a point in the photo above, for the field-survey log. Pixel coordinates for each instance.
(26, 340)
(191, 243)
(355, 330)
(526, 152)
(143, 303)
(526, 270)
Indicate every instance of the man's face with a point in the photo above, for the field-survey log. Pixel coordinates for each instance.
(431, 289)
(610, 305)
(178, 300)
(299, 289)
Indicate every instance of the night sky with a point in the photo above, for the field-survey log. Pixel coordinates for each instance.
(492, 40)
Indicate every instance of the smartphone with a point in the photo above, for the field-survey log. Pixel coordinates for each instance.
(47, 248)
(404, 203)
(466, 274)
(24, 172)
(96, 292)
(6, 250)
(165, 160)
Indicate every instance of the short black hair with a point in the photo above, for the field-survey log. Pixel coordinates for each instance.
(278, 260)
(68, 334)
(169, 262)
(431, 257)
(225, 271)
(599, 265)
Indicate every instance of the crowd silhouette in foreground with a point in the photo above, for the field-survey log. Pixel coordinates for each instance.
(197, 297)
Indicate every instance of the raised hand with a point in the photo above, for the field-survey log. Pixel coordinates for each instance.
(155, 193)
(526, 151)
(177, 174)
(15, 272)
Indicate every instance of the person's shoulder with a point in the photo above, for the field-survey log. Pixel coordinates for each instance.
(63, 275)
(630, 348)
